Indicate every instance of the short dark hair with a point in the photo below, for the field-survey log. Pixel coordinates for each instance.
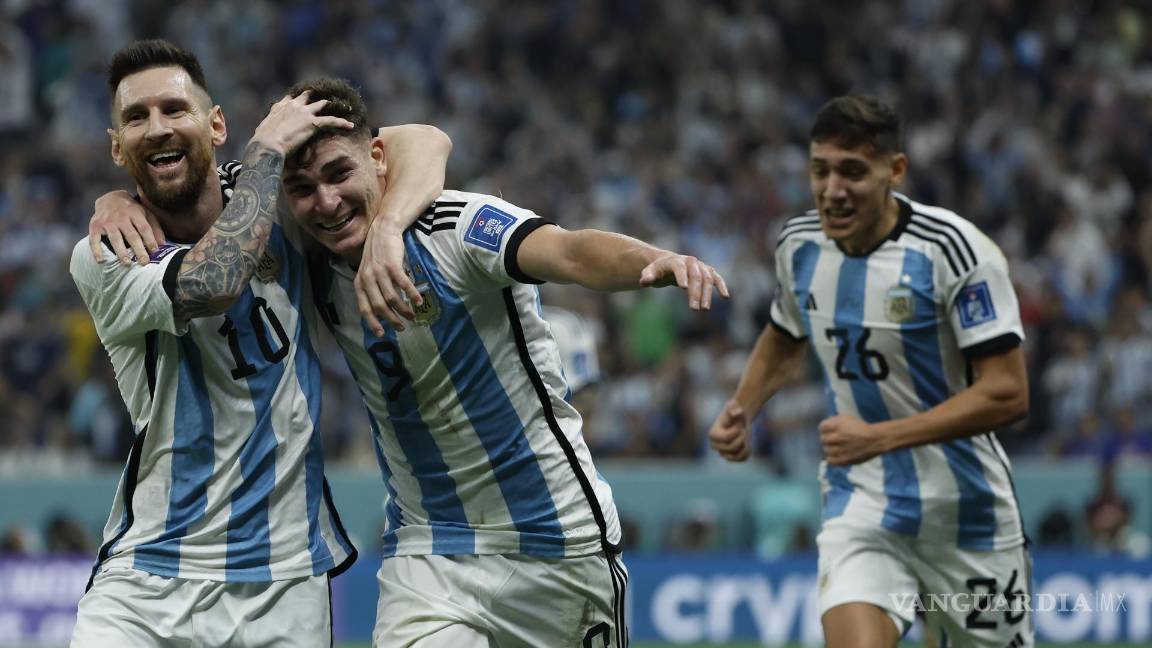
(344, 100)
(856, 120)
(147, 54)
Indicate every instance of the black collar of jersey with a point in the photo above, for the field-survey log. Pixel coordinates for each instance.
(902, 220)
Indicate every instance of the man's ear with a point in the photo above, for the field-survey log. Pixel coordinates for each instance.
(218, 125)
(379, 157)
(117, 154)
(899, 167)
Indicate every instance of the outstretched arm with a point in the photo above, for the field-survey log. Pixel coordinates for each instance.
(417, 158)
(214, 273)
(609, 261)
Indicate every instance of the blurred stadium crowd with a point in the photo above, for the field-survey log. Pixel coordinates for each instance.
(682, 123)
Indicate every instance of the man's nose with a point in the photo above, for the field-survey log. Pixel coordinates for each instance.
(327, 199)
(158, 127)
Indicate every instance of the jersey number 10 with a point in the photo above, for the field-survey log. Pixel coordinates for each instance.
(257, 316)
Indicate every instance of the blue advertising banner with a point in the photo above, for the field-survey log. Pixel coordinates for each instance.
(682, 599)
(673, 598)
(38, 599)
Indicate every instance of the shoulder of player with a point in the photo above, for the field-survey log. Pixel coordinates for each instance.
(958, 240)
(454, 207)
(805, 227)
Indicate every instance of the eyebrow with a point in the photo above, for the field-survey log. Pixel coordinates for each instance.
(163, 101)
(336, 162)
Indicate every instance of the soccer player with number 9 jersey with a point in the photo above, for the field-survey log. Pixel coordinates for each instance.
(911, 313)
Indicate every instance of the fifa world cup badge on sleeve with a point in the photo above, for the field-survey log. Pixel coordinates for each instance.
(898, 304)
(488, 228)
(975, 305)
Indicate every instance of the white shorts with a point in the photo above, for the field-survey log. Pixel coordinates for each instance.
(127, 608)
(977, 598)
(506, 601)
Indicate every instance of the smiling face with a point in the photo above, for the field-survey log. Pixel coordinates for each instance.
(333, 187)
(165, 130)
(852, 188)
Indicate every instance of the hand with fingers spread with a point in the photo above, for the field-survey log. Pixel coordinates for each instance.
(729, 434)
(697, 278)
(292, 120)
(383, 289)
(131, 230)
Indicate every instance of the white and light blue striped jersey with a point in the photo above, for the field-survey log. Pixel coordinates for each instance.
(894, 331)
(225, 479)
(480, 450)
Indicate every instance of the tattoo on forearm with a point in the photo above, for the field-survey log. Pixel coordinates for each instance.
(216, 271)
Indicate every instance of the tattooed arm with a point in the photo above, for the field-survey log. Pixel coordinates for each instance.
(214, 273)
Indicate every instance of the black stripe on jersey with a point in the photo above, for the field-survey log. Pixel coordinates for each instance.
(331, 624)
(427, 228)
(940, 222)
(550, 417)
(780, 327)
(511, 265)
(433, 214)
(173, 269)
(442, 204)
(320, 278)
(999, 452)
(797, 230)
(806, 223)
(620, 591)
(131, 474)
(947, 253)
(352, 555)
(998, 344)
(927, 228)
(151, 353)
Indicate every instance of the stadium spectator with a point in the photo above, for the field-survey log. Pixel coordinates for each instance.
(685, 119)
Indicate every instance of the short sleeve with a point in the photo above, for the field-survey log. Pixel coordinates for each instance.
(784, 313)
(127, 301)
(984, 312)
(489, 235)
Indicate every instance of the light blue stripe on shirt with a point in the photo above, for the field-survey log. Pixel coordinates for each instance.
(193, 460)
(901, 484)
(451, 532)
(493, 417)
(249, 536)
(804, 261)
(309, 375)
(977, 506)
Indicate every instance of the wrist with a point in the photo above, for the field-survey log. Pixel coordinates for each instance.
(388, 224)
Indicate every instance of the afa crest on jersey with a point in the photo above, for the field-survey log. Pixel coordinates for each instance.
(898, 304)
(429, 311)
(268, 267)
